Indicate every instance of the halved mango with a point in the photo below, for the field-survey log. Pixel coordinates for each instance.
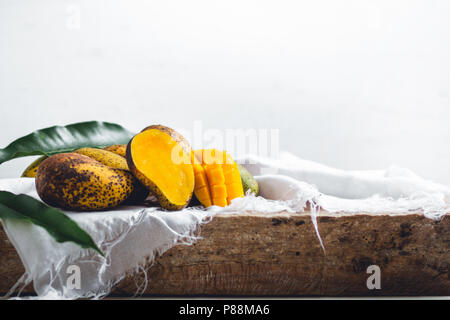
(160, 158)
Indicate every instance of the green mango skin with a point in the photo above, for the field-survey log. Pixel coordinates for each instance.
(248, 181)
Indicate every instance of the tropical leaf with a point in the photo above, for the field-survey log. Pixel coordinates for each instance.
(57, 224)
(60, 139)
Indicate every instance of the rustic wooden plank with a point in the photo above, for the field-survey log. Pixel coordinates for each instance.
(279, 254)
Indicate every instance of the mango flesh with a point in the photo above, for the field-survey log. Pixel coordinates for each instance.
(76, 182)
(158, 158)
(217, 178)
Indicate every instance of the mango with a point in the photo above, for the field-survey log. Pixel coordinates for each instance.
(76, 182)
(159, 157)
(105, 157)
(31, 170)
(217, 178)
(114, 160)
(120, 149)
(248, 181)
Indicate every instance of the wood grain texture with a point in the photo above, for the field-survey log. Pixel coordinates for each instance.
(280, 255)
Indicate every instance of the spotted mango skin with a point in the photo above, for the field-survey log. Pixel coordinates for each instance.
(31, 170)
(76, 182)
(113, 158)
(120, 149)
(108, 158)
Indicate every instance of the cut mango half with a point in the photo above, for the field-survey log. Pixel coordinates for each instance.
(159, 158)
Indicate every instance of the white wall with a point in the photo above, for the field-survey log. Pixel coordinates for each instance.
(353, 84)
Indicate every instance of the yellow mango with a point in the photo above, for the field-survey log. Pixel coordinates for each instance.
(77, 182)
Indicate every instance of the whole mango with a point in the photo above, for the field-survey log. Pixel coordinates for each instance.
(120, 149)
(77, 182)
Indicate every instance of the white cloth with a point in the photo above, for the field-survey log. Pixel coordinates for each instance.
(393, 190)
(131, 237)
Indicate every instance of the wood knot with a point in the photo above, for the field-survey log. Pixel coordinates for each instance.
(405, 230)
(276, 222)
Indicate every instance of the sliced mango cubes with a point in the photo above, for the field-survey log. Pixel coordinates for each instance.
(217, 178)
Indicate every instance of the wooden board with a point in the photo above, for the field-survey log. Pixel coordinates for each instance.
(280, 255)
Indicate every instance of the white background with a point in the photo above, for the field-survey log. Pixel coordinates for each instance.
(352, 84)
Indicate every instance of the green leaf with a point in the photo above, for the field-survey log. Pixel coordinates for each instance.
(57, 224)
(68, 138)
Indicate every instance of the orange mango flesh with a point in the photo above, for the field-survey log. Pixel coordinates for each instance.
(217, 178)
(161, 159)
